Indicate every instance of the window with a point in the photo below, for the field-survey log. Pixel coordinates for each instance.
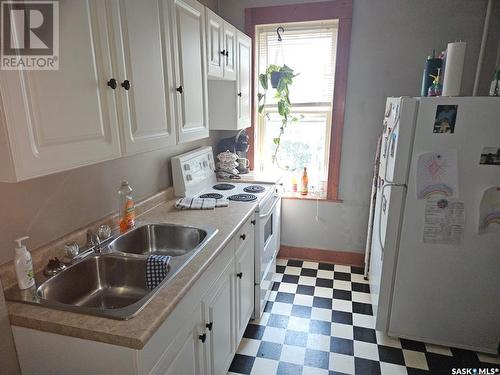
(310, 49)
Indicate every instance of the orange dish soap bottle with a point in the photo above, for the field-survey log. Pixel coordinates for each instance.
(126, 212)
(304, 189)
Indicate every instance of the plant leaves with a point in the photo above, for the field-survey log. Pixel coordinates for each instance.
(263, 81)
(276, 141)
(260, 96)
(261, 108)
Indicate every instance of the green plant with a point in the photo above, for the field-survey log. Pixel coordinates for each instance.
(286, 76)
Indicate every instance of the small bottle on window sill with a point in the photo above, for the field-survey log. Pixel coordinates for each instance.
(304, 188)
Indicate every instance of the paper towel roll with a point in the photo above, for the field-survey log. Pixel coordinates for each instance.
(455, 55)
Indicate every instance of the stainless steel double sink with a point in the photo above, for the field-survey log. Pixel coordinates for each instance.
(113, 283)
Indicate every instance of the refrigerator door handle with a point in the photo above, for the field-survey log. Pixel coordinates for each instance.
(392, 184)
(390, 140)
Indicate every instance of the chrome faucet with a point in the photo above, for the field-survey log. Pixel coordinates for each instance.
(93, 241)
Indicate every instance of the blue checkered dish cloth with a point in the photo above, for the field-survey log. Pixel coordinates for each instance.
(156, 270)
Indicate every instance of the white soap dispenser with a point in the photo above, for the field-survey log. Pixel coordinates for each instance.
(24, 265)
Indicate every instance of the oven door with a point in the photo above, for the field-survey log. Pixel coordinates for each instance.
(266, 249)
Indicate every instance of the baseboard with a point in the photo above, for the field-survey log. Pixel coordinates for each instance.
(322, 255)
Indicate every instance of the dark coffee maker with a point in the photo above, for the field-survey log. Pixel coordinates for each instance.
(239, 145)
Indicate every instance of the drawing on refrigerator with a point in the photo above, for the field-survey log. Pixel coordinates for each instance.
(437, 174)
(489, 211)
(427, 290)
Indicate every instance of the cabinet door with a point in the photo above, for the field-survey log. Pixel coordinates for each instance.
(191, 73)
(215, 41)
(62, 119)
(189, 357)
(230, 49)
(219, 315)
(244, 283)
(144, 60)
(243, 81)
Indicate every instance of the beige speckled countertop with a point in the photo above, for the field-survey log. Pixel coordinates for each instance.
(134, 333)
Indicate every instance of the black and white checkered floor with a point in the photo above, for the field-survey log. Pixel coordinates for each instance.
(319, 321)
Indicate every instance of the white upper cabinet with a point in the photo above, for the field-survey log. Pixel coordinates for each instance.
(230, 103)
(188, 21)
(52, 121)
(145, 90)
(243, 81)
(221, 47)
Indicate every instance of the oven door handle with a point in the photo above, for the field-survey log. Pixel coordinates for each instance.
(271, 209)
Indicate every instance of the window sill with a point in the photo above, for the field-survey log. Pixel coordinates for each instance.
(310, 196)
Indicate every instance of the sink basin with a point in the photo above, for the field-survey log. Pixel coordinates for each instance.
(162, 239)
(113, 283)
(102, 281)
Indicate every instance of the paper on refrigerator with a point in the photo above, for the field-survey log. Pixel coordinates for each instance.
(437, 174)
(444, 221)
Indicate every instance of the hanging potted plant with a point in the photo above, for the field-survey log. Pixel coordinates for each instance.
(281, 77)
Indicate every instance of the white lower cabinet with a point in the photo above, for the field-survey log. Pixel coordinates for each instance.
(200, 336)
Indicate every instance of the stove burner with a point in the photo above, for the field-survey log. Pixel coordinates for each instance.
(242, 197)
(254, 189)
(223, 186)
(212, 195)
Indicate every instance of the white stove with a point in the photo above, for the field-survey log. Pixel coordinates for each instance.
(194, 176)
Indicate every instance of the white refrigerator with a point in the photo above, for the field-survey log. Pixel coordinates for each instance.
(435, 253)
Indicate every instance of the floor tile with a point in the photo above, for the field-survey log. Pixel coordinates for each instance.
(320, 321)
(366, 366)
(242, 364)
(318, 342)
(415, 359)
(341, 363)
(296, 338)
(281, 261)
(304, 300)
(285, 368)
(321, 314)
(307, 280)
(287, 288)
(311, 265)
(341, 346)
(293, 354)
(301, 311)
(317, 358)
(320, 327)
(298, 324)
(391, 355)
(264, 366)
(269, 350)
(278, 321)
(366, 350)
(285, 297)
(324, 274)
(357, 270)
(342, 330)
(324, 292)
(392, 369)
(273, 334)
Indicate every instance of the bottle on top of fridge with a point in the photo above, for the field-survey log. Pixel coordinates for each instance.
(23, 265)
(126, 211)
(304, 188)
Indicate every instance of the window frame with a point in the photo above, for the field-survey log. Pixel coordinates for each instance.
(340, 10)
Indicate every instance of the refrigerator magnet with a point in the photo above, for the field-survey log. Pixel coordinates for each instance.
(490, 156)
(437, 174)
(446, 116)
(489, 211)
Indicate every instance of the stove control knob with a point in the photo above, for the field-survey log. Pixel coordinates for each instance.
(189, 177)
(187, 167)
(205, 163)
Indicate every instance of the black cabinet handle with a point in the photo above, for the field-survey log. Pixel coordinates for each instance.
(126, 84)
(253, 222)
(239, 94)
(223, 52)
(227, 54)
(203, 337)
(179, 89)
(239, 275)
(243, 237)
(112, 83)
(209, 325)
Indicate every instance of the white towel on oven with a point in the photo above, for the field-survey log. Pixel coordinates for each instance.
(189, 203)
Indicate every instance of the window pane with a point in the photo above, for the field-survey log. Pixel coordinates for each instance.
(304, 144)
